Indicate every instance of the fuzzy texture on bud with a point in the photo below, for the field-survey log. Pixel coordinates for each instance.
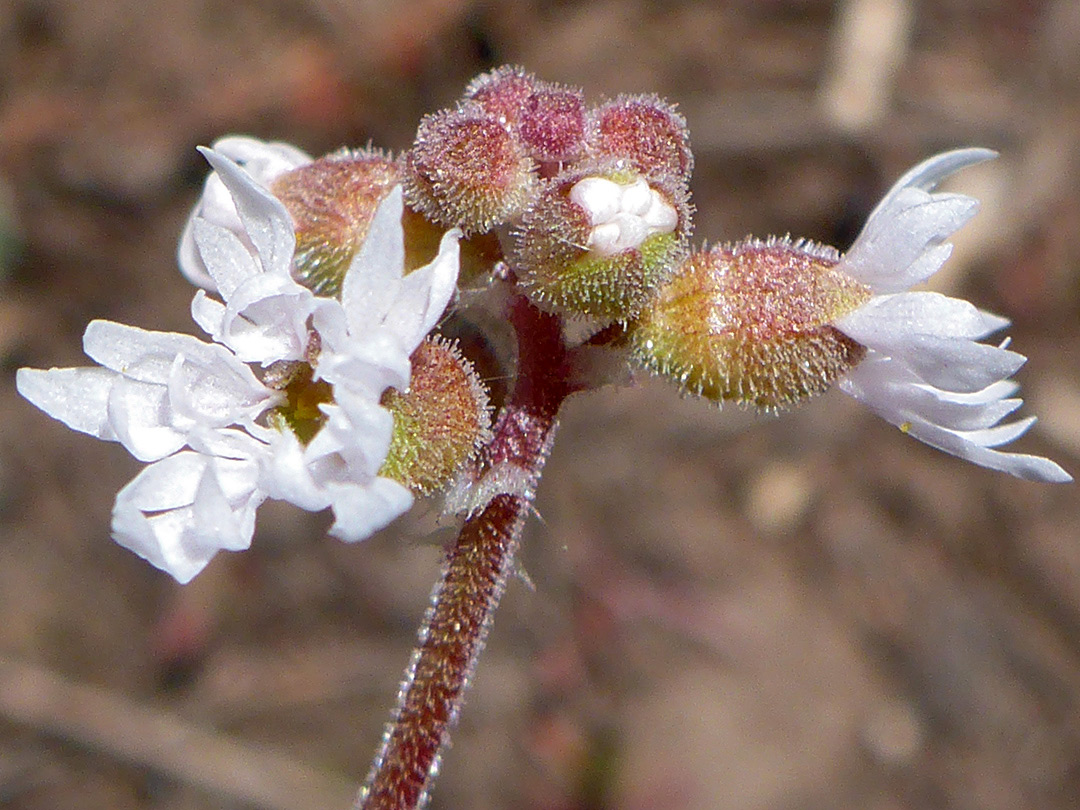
(549, 118)
(553, 124)
(599, 243)
(645, 130)
(469, 169)
(751, 323)
(440, 421)
(503, 92)
(331, 202)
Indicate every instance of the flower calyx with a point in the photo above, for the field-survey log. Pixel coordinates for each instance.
(752, 323)
(440, 422)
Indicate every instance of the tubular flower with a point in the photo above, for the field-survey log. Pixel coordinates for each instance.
(285, 403)
(925, 370)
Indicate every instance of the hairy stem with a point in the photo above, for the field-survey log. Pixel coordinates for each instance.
(458, 621)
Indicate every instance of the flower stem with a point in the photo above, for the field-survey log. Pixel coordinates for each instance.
(473, 582)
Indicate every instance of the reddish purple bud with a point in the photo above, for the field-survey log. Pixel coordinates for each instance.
(553, 123)
(468, 169)
(503, 92)
(645, 130)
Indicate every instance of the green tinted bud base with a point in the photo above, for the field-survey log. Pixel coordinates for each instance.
(605, 287)
(439, 422)
(751, 324)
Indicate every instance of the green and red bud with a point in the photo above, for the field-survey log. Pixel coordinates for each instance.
(440, 422)
(751, 323)
(469, 169)
(597, 243)
(331, 202)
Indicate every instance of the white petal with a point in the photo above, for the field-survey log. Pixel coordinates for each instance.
(163, 540)
(601, 198)
(965, 425)
(924, 313)
(957, 364)
(933, 170)
(902, 242)
(934, 336)
(148, 356)
(263, 160)
(217, 524)
(371, 281)
(266, 320)
(425, 294)
(177, 514)
(229, 444)
(359, 512)
(78, 397)
(286, 475)
(207, 313)
(266, 221)
(225, 257)
(214, 397)
(220, 383)
(888, 386)
(166, 484)
(359, 431)
(140, 415)
(957, 443)
(190, 260)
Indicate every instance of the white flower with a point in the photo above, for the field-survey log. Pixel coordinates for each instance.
(925, 370)
(216, 430)
(622, 215)
(264, 162)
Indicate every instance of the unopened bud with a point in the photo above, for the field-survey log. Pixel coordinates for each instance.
(646, 131)
(752, 323)
(332, 201)
(440, 422)
(599, 244)
(553, 124)
(503, 92)
(549, 118)
(468, 169)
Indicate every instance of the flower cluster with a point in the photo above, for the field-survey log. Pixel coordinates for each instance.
(323, 280)
(285, 403)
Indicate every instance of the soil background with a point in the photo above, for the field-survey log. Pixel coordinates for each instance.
(728, 611)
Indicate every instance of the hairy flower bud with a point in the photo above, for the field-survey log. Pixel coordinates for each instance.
(503, 92)
(553, 124)
(469, 169)
(752, 323)
(439, 422)
(599, 243)
(549, 118)
(331, 202)
(645, 130)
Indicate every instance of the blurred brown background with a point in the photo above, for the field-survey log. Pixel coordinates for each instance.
(729, 611)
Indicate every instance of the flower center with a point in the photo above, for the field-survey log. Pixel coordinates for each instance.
(303, 395)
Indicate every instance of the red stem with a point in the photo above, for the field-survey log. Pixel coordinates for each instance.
(457, 623)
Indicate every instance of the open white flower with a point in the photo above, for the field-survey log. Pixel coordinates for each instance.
(264, 162)
(301, 423)
(925, 369)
